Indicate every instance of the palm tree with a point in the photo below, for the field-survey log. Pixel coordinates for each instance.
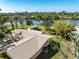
(0, 9)
(16, 20)
(4, 22)
(11, 21)
(21, 21)
(1, 38)
(62, 28)
(2, 31)
(29, 22)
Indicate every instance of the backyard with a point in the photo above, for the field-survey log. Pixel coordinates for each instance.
(61, 46)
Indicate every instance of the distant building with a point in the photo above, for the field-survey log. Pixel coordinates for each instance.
(29, 47)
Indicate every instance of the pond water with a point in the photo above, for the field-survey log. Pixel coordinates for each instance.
(38, 22)
(34, 21)
(72, 22)
(75, 22)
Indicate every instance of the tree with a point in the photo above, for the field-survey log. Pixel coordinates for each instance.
(0, 9)
(62, 28)
(29, 22)
(1, 37)
(11, 21)
(3, 20)
(16, 20)
(2, 31)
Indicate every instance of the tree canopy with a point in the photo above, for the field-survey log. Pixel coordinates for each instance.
(62, 28)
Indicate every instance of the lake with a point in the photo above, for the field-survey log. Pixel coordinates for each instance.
(72, 22)
(38, 22)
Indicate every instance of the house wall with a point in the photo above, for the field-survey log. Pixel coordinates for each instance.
(40, 50)
(35, 55)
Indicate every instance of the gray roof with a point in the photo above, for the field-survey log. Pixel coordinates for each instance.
(25, 48)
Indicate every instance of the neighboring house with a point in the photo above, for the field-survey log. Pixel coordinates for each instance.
(29, 46)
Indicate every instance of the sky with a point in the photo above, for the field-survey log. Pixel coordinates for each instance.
(39, 5)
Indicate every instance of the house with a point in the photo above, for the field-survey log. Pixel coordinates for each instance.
(29, 46)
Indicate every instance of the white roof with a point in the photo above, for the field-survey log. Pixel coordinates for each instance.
(24, 49)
